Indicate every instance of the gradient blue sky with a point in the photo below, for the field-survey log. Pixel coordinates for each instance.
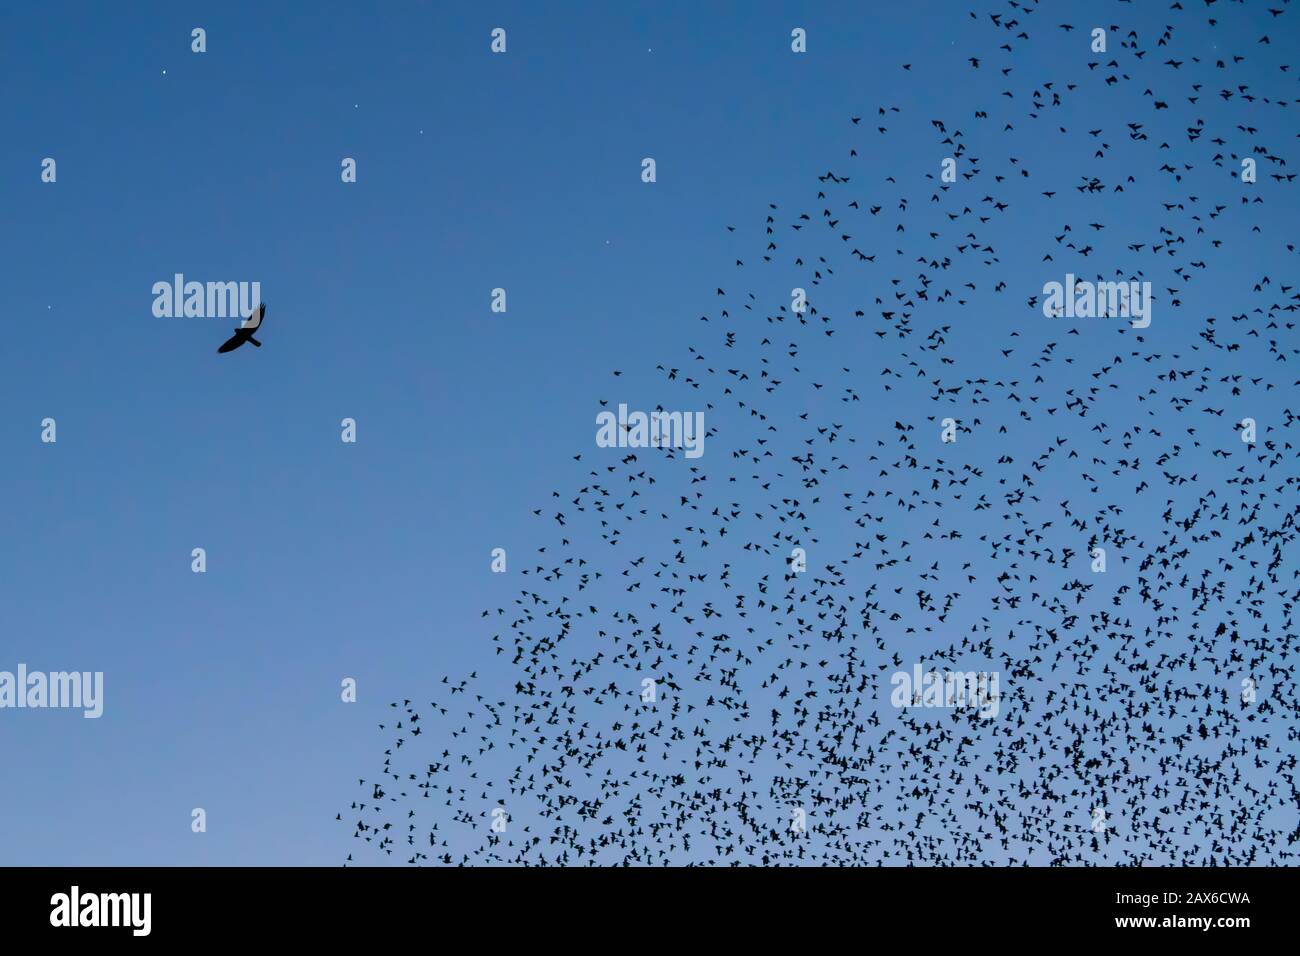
(328, 560)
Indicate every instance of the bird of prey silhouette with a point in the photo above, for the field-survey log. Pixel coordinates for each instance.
(245, 331)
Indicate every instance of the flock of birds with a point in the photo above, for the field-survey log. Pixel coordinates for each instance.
(684, 694)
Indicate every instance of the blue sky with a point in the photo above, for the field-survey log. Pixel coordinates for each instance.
(328, 560)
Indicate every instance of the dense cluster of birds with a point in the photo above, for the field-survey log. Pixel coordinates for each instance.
(1147, 712)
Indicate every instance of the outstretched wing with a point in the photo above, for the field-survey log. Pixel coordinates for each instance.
(232, 343)
(254, 319)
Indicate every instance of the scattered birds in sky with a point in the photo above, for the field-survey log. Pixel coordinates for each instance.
(1146, 711)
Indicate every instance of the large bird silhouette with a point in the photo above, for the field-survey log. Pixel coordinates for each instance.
(245, 331)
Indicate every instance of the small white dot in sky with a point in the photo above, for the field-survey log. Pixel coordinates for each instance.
(164, 72)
